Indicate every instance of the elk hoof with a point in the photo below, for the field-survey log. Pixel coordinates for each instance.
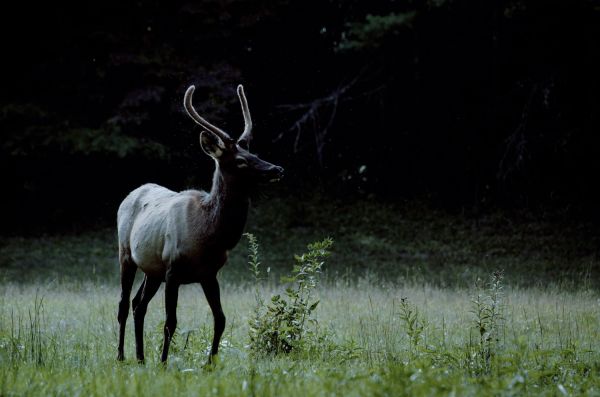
(211, 363)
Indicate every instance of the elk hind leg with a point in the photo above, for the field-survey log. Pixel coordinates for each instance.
(140, 304)
(138, 296)
(128, 269)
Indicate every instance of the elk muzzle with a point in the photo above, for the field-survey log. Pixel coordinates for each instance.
(275, 173)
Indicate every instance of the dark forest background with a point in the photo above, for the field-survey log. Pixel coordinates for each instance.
(469, 105)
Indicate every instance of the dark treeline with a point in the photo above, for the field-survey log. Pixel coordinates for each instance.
(469, 104)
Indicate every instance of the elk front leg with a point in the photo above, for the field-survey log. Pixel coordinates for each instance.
(128, 270)
(213, 296)
(140, 305)
(171, 294)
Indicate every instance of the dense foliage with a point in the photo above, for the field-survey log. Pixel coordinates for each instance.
(469, 103)
(287, 322)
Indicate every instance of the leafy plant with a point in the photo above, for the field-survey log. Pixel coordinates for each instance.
(413, 323)
(283, 324)
(253, 258)
(488, 308)
(254, 267)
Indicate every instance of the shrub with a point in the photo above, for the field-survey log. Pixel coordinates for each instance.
(414, 324)
(286, 322)
(488, 311)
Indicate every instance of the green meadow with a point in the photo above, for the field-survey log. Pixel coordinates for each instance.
(413, 301)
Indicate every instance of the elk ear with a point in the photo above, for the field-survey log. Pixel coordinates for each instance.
(211, 144)
(244, 144)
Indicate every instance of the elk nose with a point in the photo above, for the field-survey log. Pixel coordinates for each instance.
(278, 171)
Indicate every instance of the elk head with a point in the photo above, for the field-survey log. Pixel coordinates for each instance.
(233, 157)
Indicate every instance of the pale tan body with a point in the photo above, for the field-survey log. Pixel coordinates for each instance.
(157, 227)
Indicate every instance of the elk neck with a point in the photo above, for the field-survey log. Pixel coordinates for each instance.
(229, 200)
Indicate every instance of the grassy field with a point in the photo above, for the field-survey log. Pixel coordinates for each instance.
(402, 311)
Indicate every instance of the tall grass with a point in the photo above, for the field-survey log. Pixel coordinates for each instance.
(57, 341)
(401, 311)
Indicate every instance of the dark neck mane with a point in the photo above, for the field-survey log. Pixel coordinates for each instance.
(228, 201)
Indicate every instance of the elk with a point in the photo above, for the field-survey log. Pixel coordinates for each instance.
(182, 238)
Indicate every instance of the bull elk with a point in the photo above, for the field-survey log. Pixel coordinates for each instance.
(182, 238)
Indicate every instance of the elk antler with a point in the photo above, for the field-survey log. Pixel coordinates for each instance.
(246, 136)
(187, 103)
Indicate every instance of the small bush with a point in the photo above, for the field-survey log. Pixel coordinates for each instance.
(488, 311)
(413, 323)
(286, 322)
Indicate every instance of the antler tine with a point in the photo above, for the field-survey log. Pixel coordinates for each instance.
(187, 104)
(247, 134)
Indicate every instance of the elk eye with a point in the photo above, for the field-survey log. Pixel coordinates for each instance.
(241, 162)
